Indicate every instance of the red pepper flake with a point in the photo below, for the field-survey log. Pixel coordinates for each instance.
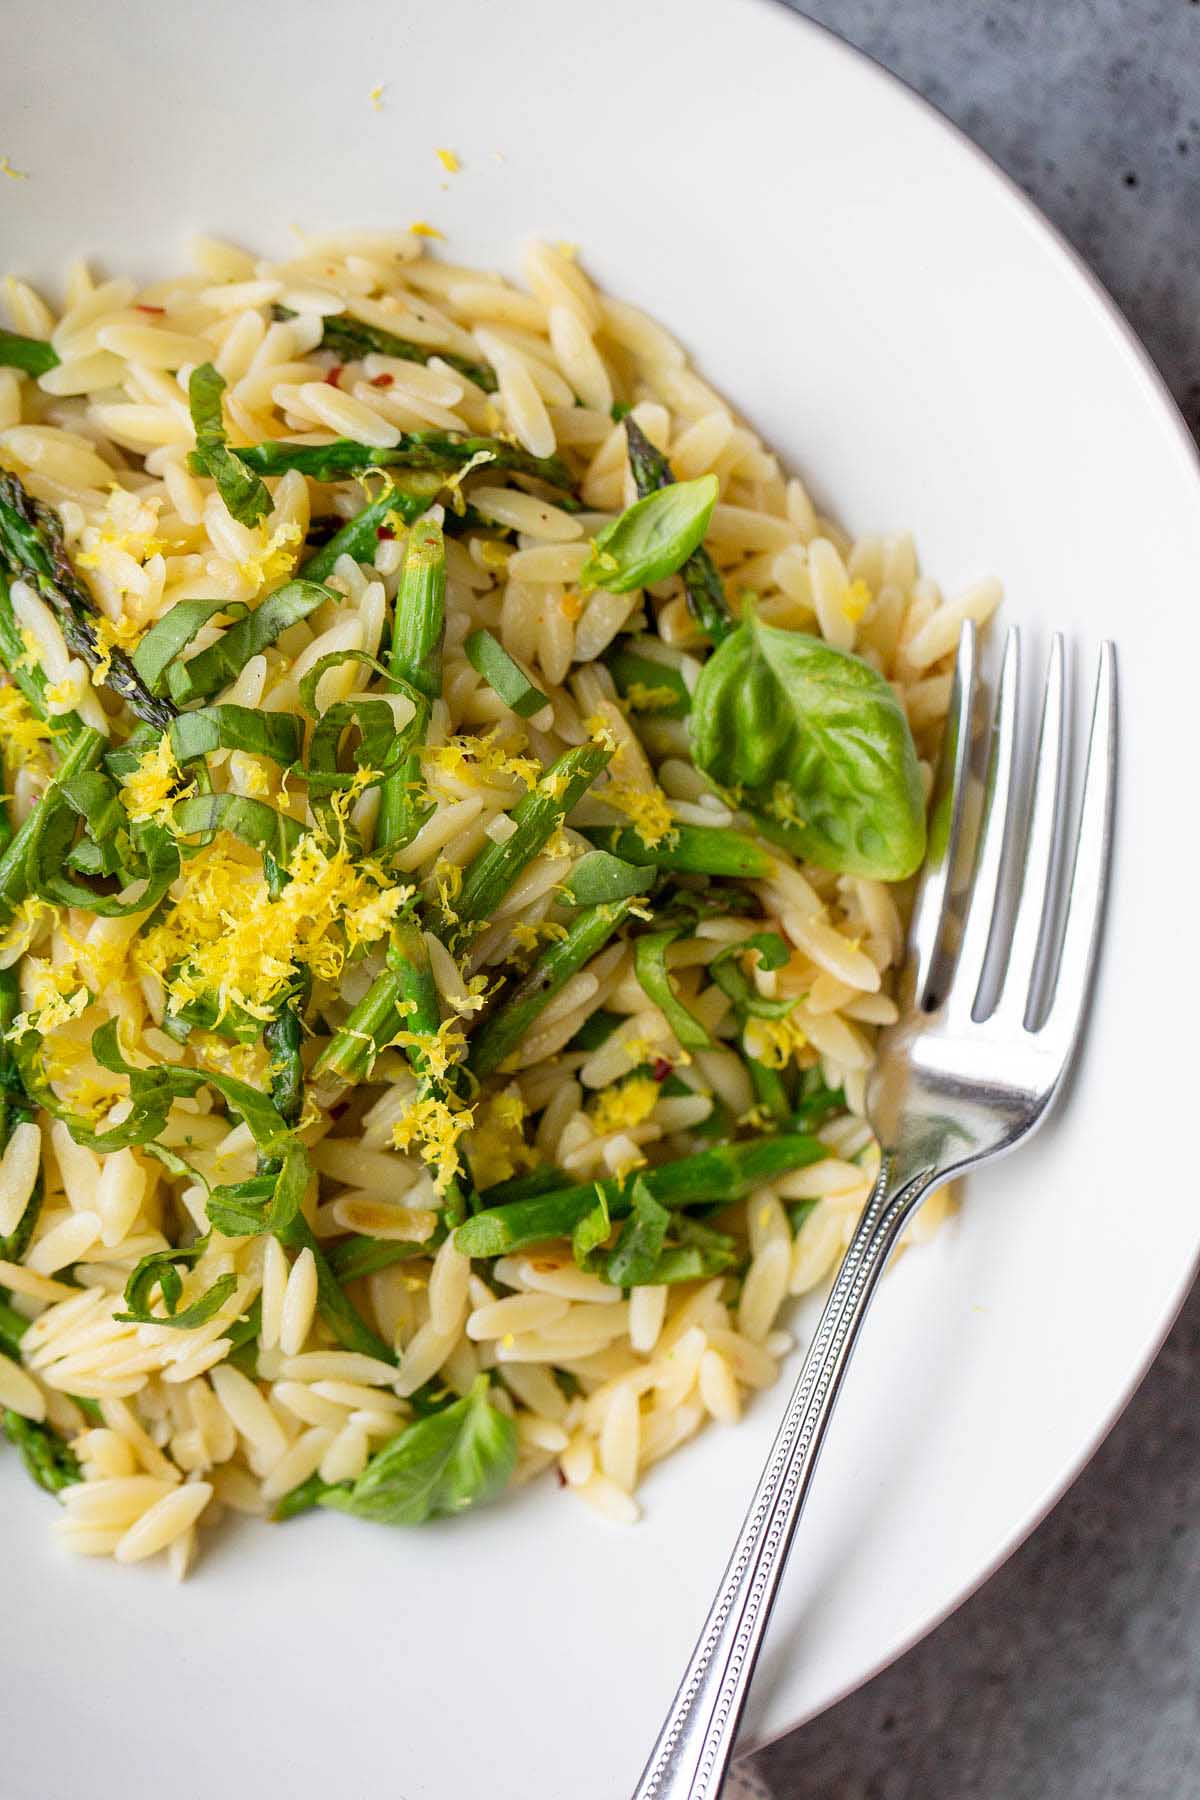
(562, 1480)
(384, 531)
(334, 374)
(140, 306)
(382, 380)
(662, 1068)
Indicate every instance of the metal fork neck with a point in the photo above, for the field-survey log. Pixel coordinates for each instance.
(690, 1758)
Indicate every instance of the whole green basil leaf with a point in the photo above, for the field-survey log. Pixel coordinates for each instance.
(443, 1464)
(652, 538)
(815, 744)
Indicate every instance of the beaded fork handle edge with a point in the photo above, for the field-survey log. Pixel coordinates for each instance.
(688, 1761)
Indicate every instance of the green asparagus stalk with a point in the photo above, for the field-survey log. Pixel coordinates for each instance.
(703, 585)
(356, 1256)
(692, 850)
(27, 677)
(12, 1329)
(359, 536)
(31, 543)
(496, 1039)
(404, 998)
(351, 339)
(537, 816)
(51, 1462)
(415, 658)
(725, 1173)
(35, 356)
(416, 450)
(373, 1023)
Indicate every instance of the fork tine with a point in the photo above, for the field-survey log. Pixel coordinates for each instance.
(1089, 874)
(945, 817)
(1040, 857)
(984, 891)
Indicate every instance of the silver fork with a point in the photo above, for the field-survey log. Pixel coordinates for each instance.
(960, 1078)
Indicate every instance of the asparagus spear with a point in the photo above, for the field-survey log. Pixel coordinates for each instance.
(381, 1012)
(359, 536)
(15, 1107)
(27, 677)
(31, 543)
(691, 850)
(703, 585)
(12, 1329)
(33, 355)
(498, 1036)
(416, 450)
(358, 1255)
(52, 1463)
(537, 816)
(725, 1173)
(353, 340)
(415, 658)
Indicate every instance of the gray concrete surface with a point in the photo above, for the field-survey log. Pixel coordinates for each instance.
(1075, 1673)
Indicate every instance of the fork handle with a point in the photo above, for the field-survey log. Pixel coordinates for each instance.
(689, 1760)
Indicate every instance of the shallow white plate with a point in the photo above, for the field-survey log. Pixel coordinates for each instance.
(895, 318)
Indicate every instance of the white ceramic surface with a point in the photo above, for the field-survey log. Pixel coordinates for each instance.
(894, 317)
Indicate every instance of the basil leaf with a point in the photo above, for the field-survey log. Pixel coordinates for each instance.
(223, 661)
(729, 975)
(593, 1230)
(96, 799)
(245, 496)
(439, 1466)
(815, 744)
(636, 1252)
(598, 878)
(52, 1464)
(160, 1269)
(650, 967)
(697, 1252)
(648, 686)
(488, 657)
(154, 858)
(653, 538)
(256, 823)
(33, 355)
(172, 634)
(277, 735)
(310, 682)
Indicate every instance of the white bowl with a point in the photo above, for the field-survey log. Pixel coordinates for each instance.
(903, 327)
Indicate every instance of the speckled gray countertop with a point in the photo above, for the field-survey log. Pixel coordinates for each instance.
(1075, 1673)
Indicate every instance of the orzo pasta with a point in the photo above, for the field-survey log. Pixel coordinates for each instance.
(460, 794)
